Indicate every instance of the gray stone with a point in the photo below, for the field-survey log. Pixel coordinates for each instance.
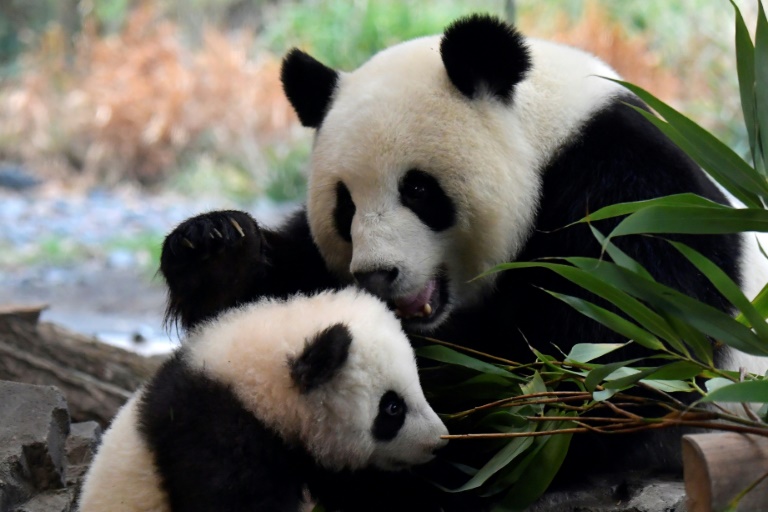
(33, 434)
(81, 447)
(50, 501)
(625, 493)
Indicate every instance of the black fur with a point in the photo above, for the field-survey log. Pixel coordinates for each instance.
(207, 273)
(391, 416)
(309, 86)
(343, 212)
(617, 156)
(322, 358)
(483, 54)
(421, 193)
(211, 453)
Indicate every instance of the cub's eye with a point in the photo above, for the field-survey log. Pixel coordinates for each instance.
(391, 416)
(394, 408)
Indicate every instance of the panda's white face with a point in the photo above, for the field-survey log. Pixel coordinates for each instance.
(416, 189)
(333, 372)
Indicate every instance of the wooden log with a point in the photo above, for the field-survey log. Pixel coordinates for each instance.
(718, 467)
(96, 378)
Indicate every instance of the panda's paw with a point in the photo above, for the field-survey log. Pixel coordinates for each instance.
(226, 236)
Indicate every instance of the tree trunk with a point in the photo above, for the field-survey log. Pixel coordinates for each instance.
(96, 378)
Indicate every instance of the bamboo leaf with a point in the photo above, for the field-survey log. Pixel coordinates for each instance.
(448, 355)
(644, 316)
(621, 209)
(669, 386)
(747, 391)
(618, 256)
(725, 286)
(692, 220)
(499, 461)
(680, 370)
(703, 317)
(600, 373)
(611, 320)
(586, 352)
(539, 474)
(709, 152)
(738, 178)
(745, 67)
(761, 79)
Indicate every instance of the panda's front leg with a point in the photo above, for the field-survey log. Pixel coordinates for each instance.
(211, 262)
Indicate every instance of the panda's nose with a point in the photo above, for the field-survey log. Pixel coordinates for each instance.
(378, 282)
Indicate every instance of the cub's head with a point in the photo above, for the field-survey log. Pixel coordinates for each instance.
(425, 168)
(333, 372)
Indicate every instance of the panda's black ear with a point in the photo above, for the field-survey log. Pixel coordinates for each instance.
(482, 54)
(324, 354)
(309, 86)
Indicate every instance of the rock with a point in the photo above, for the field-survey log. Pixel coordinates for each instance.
(43, 458)
(609, 493)
(32, 440)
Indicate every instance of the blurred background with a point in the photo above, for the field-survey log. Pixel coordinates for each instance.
(121, 118)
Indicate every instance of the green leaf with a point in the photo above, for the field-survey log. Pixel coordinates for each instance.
(669, 386)
(644, 316)
(618, 256)
(586, 352)
(725, 286)
(745, 67)
(703, 317)
(692, 220)
(630, 380)
(500, 460)
(611, 320)
(621, 209)
(601, 396)
(717, 383)
(680, 370)
(747, 391)
(541, 470)
(761, 79)
(448, 355)
(599, 374)
(709, 152)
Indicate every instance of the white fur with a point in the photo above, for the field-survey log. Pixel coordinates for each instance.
(122, 477)
(398, 112)
(250, 348)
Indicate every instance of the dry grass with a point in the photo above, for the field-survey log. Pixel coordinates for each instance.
(132, 104)
(630, 56)
(135, 105)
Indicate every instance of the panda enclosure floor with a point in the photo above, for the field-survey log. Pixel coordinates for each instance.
(76, 251)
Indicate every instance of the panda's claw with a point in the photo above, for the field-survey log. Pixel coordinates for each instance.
(186, 242)
(237, 227)
(218, 233)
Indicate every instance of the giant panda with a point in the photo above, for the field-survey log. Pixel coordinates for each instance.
(441, 157)
(260, 402)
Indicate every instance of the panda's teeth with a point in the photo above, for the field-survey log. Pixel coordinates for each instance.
(427, 309)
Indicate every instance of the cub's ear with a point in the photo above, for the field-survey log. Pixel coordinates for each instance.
(309, 86)
(482, 54)
(324, 354)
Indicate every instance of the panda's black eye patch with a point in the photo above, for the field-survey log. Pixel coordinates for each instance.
(422, 194)
(391, 416)
(343, 212)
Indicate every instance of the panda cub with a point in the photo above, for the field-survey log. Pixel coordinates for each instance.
(262, 401)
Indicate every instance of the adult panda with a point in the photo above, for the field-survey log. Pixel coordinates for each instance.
(263, 401)
(441, 157)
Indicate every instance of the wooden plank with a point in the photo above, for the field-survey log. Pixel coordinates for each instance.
(719, 466)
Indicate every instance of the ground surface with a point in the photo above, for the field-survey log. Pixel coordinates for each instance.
(91, 256)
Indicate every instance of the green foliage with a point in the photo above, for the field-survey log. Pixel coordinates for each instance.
(524, 436)
(345, 34)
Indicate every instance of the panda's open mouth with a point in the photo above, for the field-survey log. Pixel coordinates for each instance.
(424, 306)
